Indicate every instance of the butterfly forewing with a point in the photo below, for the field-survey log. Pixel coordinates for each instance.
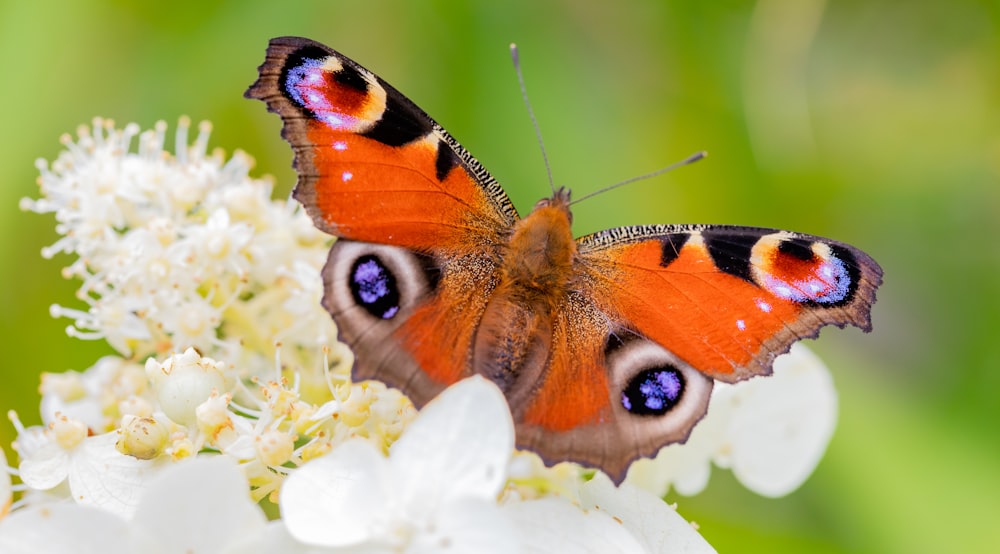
(373, 166)
(728, 299)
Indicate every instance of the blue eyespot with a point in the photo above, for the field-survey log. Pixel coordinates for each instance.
(374, 287)
(653, 391)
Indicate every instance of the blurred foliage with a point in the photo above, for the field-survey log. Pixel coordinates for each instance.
(874, 122)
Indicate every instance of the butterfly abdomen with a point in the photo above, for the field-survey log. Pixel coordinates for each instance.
(513, 342)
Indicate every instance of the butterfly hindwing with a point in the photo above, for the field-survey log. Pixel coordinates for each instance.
(607, 396)
(410, 317)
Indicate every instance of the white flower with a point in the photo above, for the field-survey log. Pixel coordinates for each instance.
(97, 474)
(596, 517)
(771, 431)
(437, 488)
(92, 396)
(199, 506)
(185, 381)
(64, 529)
(274, 538)
(557, 525)
(184, 250)
(221, 241)
(144, 438)
(656, 525)
(784, 425)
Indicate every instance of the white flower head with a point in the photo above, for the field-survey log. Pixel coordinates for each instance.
(438, 486)
(184, 262)
(183, 250)
(771, 431)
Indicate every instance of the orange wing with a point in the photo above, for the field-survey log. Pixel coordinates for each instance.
(372, 166)
(606, 397)
(420, 222)
(727, 300)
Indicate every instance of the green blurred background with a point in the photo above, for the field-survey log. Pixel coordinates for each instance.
(874, 122)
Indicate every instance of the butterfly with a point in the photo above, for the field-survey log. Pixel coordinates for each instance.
(606, 346)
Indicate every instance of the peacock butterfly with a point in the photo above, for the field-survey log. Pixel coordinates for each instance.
(606, 346)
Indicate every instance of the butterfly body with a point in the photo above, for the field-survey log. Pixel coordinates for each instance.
(541, 250)
(605, 346)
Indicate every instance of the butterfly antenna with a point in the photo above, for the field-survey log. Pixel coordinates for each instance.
(531, 113)
(686, 161)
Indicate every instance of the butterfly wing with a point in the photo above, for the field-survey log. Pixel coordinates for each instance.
(653, 315)
(372, 166)
(607, 395)
(725, 299)
(658, 312)
(420, 221)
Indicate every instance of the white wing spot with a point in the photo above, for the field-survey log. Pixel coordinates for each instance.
(347, 176)
(741, 325)
(340, 145)
(764, 306)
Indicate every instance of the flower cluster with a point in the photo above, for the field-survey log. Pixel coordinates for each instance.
(184, 251)
(229, 388)
(209, 291)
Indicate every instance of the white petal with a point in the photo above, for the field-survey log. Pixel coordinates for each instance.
(30, 440)
(63, 529)
(272, 538)
(784, 424)
(459, 445)
(555, 525)
(198, 505)
(269, 538)
(102, 476)
(337, 499)
(87, 409)
(468, 525)
(45, 467)
(683, 467)
(653, 523)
